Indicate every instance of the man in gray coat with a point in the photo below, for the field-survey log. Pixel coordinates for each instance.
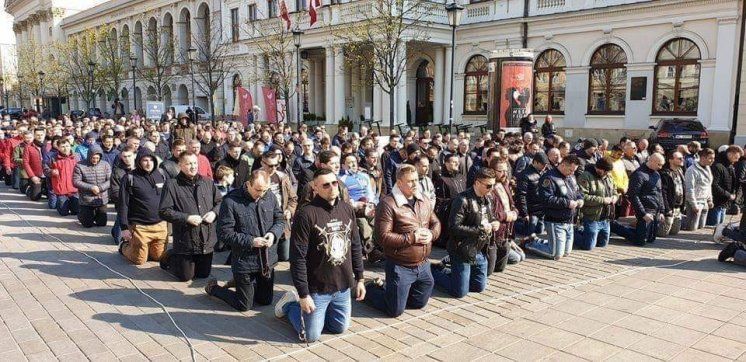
(92, 179)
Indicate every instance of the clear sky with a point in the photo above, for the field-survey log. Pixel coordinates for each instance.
(6, 28)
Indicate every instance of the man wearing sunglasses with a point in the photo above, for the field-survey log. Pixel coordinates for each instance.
(472, 223)
(563, 199)
(282, 189)
(325, 257)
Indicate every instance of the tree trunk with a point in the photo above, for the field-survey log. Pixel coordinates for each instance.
(391, 110)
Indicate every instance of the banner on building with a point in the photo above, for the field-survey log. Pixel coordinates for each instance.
(243, 105)
(516, 95)
(270, 104)
(313, 5)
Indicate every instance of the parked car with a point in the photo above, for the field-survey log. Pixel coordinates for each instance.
(673, 132)
(76, 114)
(94, 112)
(16, 112)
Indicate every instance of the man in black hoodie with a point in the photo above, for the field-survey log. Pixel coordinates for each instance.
(144, 233)
(121, 168)
(724, 184)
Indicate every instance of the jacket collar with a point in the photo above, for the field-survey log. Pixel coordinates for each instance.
(399, 197)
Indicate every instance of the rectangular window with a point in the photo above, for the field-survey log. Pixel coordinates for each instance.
(272, 8)
(301, 5)
(235, 30)
(252, 12)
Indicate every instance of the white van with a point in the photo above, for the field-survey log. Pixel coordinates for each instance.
(182, 108)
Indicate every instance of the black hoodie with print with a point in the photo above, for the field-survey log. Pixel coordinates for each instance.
(140, 194)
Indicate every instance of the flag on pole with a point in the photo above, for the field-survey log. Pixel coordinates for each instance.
(243, 105)
(284, 14)
(312, 6)
(270, 104)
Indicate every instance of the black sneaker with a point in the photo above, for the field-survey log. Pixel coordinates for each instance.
(122, 244)
(211, 284)
(164, 261)
(728, 252)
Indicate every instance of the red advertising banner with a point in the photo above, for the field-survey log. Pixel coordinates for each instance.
(244, 104)
(516, 92)
(270, 104)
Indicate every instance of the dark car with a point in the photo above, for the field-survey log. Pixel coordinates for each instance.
(16, 112)
(94, 112)
(76, 114)
(670, 133)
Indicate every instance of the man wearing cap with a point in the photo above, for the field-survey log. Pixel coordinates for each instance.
(599, 196)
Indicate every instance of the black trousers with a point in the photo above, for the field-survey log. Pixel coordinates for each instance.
(188, 267)
(92, 215)
(35, 191)
(8, 178)
(251, 289)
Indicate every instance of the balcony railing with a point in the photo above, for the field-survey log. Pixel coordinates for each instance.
(550, 4)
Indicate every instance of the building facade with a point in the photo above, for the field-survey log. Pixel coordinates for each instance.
(602, 67)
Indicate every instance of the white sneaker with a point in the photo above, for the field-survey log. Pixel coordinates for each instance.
(717, 236)
(288, 297)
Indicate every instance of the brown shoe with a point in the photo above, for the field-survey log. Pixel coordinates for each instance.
(211, 284)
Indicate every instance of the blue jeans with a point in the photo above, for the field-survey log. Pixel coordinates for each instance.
(594, 233)
(534, 225)
(67, 205)
(716, 216)
(333, 313)
(116, 230)
(51, 197)
(644, 232)
(463, 277)
(405, 288)
(560, 238)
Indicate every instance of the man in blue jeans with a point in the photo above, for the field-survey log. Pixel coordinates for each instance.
(646, 195)
(326, 258)
(599, 196)
(406, 226)
(472, 223)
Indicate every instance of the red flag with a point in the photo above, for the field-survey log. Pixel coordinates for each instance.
(312, 6)
(284, 14)
(270, 104)
(244, 104)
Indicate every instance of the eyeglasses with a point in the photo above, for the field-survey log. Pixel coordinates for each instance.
(329, 185)
(271, 165)
(489, 186)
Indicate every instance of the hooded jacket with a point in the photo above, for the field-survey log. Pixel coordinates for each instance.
(87, 175)
(62, 182)
(698, 184)
(111, 156)
(723, 181)
(140, 193)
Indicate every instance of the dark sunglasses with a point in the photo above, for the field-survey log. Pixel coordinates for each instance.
(272, 165)
(330, 184)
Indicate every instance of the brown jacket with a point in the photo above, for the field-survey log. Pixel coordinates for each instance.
(396, 223)
(289, 199)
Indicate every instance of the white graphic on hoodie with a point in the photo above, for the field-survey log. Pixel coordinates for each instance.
(336, 240)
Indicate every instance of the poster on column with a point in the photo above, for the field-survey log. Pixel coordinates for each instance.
(516, 95)
(270, 104)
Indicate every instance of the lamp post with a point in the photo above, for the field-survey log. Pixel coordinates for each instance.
(41, 87)
(91, 94)
(454, 11)
(20, 91)
(192, 57)
(5, 91)
(133, 63)
(297, 33)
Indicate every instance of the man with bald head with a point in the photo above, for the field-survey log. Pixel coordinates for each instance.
(251, 222)
(646, 196)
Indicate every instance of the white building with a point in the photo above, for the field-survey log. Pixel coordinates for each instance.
(680, 56)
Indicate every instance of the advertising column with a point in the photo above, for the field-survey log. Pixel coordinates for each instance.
(511, 88)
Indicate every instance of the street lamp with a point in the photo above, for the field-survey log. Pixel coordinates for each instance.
(454, 11)
(133, 62)
(297, 33)
(41, 87)
(192, 57)
(20, 91)
(91, 94)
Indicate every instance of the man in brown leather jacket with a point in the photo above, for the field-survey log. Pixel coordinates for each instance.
(406, 226)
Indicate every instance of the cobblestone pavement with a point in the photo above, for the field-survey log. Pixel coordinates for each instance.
(669, 300)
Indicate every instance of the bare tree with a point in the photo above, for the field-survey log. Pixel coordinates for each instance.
(30, 63)
(214, 59)
(112, 67)
(75, 55)
(385, 39)
(159, 49)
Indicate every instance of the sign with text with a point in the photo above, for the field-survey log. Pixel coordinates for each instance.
(154, 110)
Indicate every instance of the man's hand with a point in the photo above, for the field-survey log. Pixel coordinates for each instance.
(288, 215)
(194, 220)
(614, 199)
(487, 227)
(35, 180)
(710, 205)
(580, 204)
(607, 200)
(360, 290)
(661, 218)
(97, 191)
(55, 172)
(423, 236)
(648, 218)
(732, 197)
(307, 305)
(259, 242)
(209, 217)
(359, 205)
(270, 238)
(573, 204)
(126, 235)
(495, 225)
(9, 172)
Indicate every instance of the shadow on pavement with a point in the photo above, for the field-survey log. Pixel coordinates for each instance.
(708, 265)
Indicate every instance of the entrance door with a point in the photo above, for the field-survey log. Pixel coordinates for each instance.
(425, 90)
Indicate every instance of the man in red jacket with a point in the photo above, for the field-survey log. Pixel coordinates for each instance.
(61, 174)
(32, 164)
(14, 139)
(204, 168)
(5, 173)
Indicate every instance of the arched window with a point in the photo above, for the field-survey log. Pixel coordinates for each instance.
(476, 86)
(608, 81)
(549, 83)
(677, 78)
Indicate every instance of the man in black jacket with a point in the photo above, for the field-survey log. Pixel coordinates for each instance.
(724, 184)
(144, 233)
(471, 221)
(450, 183)
(238, 164)
(326, 262)
(303, 166)
(251, 222)
(672, 180)
(530, 206)
(190, 203)
(171, 166)
(122, 168)
(646, 195)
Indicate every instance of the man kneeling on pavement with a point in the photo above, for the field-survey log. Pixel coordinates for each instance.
(405, 226)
